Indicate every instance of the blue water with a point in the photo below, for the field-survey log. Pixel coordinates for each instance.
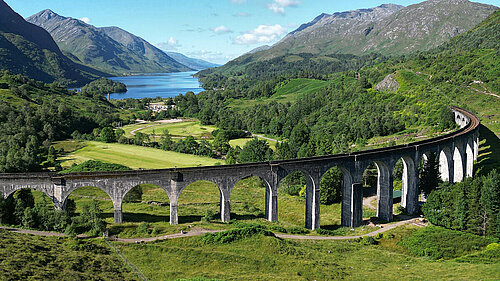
(152, 85)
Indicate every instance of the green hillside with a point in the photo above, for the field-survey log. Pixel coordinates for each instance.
(29, 50)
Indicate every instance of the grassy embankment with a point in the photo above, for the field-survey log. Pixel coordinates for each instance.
(262, 257)
(29, 257)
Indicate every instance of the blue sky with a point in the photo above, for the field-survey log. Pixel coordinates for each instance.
(214, 30)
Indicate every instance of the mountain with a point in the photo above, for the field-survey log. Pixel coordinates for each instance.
(93, 47)
(258, 49)
(193, 63)
(29, 50)
(387, 29)
(143, 47)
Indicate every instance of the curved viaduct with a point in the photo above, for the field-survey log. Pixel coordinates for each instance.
(457, 152)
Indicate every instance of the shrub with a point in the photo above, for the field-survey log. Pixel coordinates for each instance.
(297, 230)
(209, 216)
(437, 242)
(235, 234)
(368, 240)
(143, 228)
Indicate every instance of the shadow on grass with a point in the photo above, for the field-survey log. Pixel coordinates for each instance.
(489, 152)
(139, 217)
(247, 216)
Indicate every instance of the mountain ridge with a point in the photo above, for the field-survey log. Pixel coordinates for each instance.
(93, 47)
(29, 50)
(388, 29)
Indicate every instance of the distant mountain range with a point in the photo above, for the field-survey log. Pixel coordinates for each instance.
(387, 29)
(30, 50)
(193, 63)
(109, 49)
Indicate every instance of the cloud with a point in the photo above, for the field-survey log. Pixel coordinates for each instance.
(261, 34)
(241, 14)
(221, 30)
(238, 1)
(172, 41)
(211, 56)
(85, 20)
(278, 6)
(171, 45)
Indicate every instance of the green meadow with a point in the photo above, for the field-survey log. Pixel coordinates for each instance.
(136, 157)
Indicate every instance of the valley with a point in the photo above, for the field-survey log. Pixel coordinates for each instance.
(361, 145)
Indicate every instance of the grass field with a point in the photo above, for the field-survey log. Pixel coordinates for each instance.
(136, 157)
(288, 92)
(242, 141)
(268, 258)
(178, 129)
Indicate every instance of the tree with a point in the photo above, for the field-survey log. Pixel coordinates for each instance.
(108, 135)
(490, 202)
(255, 150)
(221, 143)
(429, 178)
(92, 218)
(232, 155)
(331, 186)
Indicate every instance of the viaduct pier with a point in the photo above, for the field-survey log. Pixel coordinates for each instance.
(456, 151)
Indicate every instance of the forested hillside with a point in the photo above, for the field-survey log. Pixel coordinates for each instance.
(34, 114)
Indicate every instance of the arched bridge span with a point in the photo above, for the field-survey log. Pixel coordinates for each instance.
(457, 152)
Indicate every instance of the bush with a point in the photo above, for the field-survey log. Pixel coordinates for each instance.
(437, 242)
(235, 234)
(491, 255)
(368, 240)
(143, 228)
(209, 216)
(297, 230)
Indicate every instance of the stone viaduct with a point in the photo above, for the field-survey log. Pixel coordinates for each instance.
(456, 151)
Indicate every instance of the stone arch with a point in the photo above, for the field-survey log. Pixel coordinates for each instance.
(458, 164)
(345, 191)
(159, 208)
(469, 157)
(223, 198)
(409, 190)
(384, 189)
(311, 208)
(270, 199)
(446, 164)
(99, 186)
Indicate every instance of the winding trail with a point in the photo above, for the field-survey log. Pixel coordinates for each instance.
(198, 232)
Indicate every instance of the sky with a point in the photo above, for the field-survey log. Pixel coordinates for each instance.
(213, 30)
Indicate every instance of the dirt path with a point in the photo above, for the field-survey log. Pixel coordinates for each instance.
(367, 201)
(483, 92)
(384, 228)
(197, 232)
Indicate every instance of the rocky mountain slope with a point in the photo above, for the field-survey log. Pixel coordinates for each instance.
(196, 64)
(29, 50)
(91, 46)
(387, 29)
(143, 47)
